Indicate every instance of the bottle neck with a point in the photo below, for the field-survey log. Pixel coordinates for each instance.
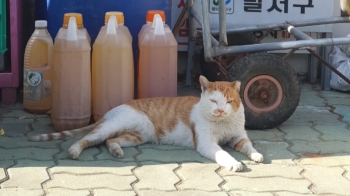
(152, 22)
(41, 31)
(79, 26)
(121, 24)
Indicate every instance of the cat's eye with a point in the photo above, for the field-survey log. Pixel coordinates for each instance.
(229, 101)
(212, 100)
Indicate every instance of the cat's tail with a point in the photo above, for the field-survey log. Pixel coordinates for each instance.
(76, 133)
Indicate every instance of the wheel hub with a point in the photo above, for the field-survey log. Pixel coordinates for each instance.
(263, 94)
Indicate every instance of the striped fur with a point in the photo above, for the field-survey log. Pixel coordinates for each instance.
(200, 123)
(76, 133)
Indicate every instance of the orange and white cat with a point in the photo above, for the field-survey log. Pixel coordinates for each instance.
(202, 123)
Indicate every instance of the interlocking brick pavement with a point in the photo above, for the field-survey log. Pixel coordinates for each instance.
(307, 155)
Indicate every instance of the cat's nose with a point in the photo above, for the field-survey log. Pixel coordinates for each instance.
(220, 111)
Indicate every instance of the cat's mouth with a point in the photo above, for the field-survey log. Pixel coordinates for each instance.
(219, 115)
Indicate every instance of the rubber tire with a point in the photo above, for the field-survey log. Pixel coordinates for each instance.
(210, 70)
(253, 65)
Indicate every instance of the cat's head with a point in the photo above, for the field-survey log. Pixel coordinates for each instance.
(219, 99)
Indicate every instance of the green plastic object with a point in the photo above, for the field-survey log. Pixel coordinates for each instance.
(2, 26)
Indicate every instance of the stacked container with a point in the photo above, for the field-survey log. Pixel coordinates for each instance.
(112, 66)
(157, 67)
(71, 85)
(38, 70)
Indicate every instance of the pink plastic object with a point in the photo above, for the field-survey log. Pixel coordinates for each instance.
(9, 81)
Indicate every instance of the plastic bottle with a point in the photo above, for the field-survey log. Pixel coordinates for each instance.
(148, 26)
(71, 85)
(37, 70)
(112, 66)
(157, 69)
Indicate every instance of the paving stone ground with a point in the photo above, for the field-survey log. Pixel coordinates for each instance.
(309, 154)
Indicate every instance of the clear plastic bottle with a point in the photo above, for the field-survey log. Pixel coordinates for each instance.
(157, 67)
(37, 70)
(71, 85)
(112, 66)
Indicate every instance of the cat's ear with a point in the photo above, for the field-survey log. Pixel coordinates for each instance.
(204, 83)
(236, 85)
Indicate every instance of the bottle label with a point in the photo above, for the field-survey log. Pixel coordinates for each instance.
(33, 85)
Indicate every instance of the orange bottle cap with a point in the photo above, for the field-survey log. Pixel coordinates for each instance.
(118, 15)
(78, 18)
(150, 14)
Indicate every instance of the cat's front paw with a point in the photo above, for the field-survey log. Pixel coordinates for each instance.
(257, 157)
(238, 166)
(234, 165)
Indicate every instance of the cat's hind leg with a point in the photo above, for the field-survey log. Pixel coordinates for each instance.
(97, 136)
(116, 121)
(126, 139)
(244, 145)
